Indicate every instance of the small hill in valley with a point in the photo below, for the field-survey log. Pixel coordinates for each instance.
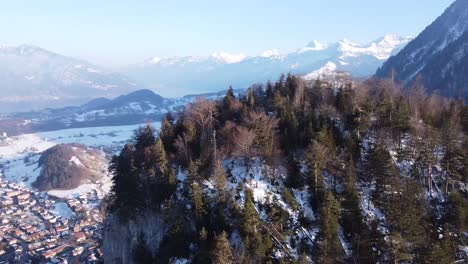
(67, 166)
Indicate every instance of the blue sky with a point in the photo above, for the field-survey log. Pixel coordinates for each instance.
(117, 32)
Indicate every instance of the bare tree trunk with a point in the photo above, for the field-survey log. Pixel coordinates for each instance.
(430, 184)
(447, 173)
(316, 180)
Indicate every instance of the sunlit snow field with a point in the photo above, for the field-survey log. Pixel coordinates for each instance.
(20, 154)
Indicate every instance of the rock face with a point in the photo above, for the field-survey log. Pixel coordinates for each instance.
(66, 166)
(120, 239)
(439, 55)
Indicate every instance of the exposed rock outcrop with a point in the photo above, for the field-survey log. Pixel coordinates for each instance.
(122, 238)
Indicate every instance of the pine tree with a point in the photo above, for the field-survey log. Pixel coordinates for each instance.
(251, 219)
(330, 250)
(453, 157)
(295, 178)
(220, 179)
(167, 131)
(144, 137)
(229, 98)
(443, 251)
(125, 188)
(384, 108)
(399, 249)
(458, 211)
(197, 199)
(401, 122)
(316, 160)
(425, 159)
(193, 174)
(257, 241)
(222, 253)
(352, 213)
(161, 157)
(380, 168)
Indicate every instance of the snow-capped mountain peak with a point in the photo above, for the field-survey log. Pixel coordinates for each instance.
(155, 60)
(270, 53)
(347, 42)
(381, 49)
(227, 58)
(328, 69)
(314, 45)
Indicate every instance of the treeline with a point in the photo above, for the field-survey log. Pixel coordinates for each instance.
(403, 145)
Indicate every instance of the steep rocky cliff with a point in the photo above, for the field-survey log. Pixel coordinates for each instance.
(121, 239)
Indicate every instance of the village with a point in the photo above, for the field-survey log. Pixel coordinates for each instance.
(38, 228)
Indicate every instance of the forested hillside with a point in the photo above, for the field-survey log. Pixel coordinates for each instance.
(295, 172)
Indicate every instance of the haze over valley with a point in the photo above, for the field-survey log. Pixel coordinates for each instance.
(336, 151)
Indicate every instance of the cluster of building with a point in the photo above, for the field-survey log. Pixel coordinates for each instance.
(37, 228)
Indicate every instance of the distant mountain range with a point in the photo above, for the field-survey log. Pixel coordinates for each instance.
(438, 56)
(33, 78)
(134, 108)
(175, 76)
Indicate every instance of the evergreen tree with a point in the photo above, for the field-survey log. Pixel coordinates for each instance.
(167, 132)
(399, 249)
(458, 211)
(193, 174)
(352, 212)
(401, 118)
(251, 219)
(380, 168)
(198, 203)
(144, 137)
(220, 178)
(330, 250)
(125, 188)
(161, 157)
(443, 251)
(295, 178)
(317, 155)
(222, 253)
(453, 157)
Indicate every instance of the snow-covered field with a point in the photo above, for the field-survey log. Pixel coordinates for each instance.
(90, 136)
(62, 209)
(20, 154)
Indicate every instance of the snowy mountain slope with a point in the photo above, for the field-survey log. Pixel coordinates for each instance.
(177, 76)
(134, 108)
(425, 54)
(33, 78)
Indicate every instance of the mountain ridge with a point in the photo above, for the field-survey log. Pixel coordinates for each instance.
(170, 76)
(34, 78)
(415, 59)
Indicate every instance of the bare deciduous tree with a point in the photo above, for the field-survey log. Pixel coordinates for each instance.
(265, 128)
(244, 141)
(203, 112)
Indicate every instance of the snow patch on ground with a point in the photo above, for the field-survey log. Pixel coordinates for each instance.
(23, 171)
(62, 209)
(76, 160)
(372, 213)
(84, 188)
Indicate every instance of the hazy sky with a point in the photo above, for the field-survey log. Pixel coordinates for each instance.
(117, 32)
